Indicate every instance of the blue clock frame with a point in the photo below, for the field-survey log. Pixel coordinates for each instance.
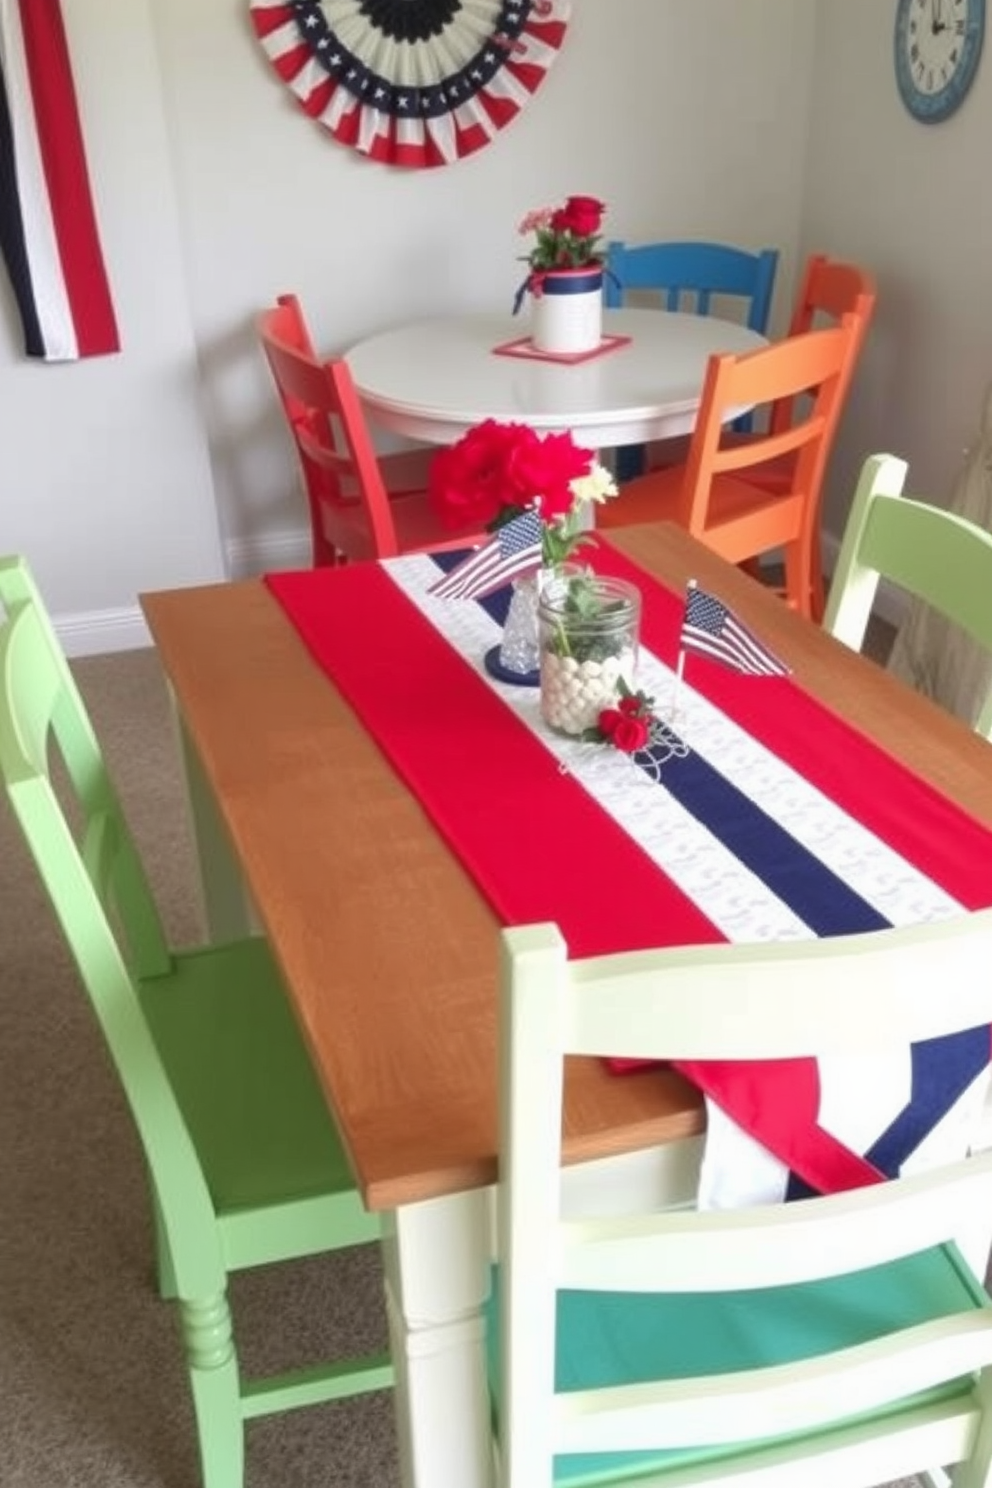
(933, 106)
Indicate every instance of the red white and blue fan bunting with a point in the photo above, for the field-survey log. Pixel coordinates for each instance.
(412, 82)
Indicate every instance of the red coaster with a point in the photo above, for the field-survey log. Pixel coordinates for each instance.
(524, 347)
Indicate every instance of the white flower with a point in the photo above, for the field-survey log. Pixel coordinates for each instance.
(597, 485)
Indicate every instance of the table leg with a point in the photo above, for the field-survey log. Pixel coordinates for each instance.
(227, 908)
(436, 1257)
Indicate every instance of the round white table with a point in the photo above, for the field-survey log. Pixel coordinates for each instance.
(434, 379)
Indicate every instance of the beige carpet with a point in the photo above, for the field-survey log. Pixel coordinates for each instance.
(92, 1388)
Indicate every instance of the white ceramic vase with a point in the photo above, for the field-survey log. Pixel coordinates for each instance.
(567, 311)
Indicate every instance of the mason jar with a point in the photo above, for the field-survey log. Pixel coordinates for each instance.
(588, 630)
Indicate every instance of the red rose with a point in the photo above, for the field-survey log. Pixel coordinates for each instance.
(543, 471)
(581, 215)
(470, 482)
(630, 734)
(632, 706)
(609, 721)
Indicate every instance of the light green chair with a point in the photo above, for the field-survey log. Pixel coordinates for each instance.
(244, 1161)
(939, 557)
(845, 1339)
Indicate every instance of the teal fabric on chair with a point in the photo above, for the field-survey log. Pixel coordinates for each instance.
(932, 554)
(687, 276)
(837, 1339)
(244, 1161)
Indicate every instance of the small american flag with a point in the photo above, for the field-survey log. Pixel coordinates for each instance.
(709, 627)
(513, 551)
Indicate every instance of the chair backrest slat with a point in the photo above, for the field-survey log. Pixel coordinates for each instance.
(933, 554)
(349, 506)
(830, 291)
(818, 361)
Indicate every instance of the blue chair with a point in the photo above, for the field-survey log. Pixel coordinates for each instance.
(687, 276)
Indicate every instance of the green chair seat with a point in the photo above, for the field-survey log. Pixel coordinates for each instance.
(246, 1089)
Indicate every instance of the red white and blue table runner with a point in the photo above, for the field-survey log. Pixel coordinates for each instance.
(758, 815)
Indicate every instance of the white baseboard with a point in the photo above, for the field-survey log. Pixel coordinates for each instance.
(249, 556)
(99, 632)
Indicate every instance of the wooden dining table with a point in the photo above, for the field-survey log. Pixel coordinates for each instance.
(389, 951)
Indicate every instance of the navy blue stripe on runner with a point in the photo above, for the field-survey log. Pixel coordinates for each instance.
(796, 876)
(942, 1070)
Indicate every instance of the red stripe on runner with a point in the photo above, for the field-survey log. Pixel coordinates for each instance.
(537, 845)
(64, 158)
(779, 1101)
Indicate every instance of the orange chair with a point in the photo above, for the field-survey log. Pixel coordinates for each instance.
(362, 504)
(713, 496)
(830, 290)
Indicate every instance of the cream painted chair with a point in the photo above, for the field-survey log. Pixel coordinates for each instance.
(933, 554)
(835, 1340)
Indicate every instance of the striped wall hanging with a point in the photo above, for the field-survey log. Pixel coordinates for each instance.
(48, 230)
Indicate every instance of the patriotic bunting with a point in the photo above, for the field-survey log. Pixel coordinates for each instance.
(48, 230)
(417, 83)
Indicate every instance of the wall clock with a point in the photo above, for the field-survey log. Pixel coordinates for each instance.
(937, 47)
(411, 82)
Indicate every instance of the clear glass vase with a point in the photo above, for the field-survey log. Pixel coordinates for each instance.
(517, 657)
(589, 629)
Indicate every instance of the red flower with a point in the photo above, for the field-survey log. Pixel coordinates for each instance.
(542, 469)
(470, 482)
(568, 237)
(581, 215)
(609, 721)
(627, 726)
(630, 734)
(496, 468)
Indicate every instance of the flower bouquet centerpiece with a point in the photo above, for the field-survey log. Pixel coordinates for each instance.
(566, 276)
(534, 493)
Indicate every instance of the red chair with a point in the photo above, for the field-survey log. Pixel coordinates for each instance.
(362, 504)
(713, 495)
